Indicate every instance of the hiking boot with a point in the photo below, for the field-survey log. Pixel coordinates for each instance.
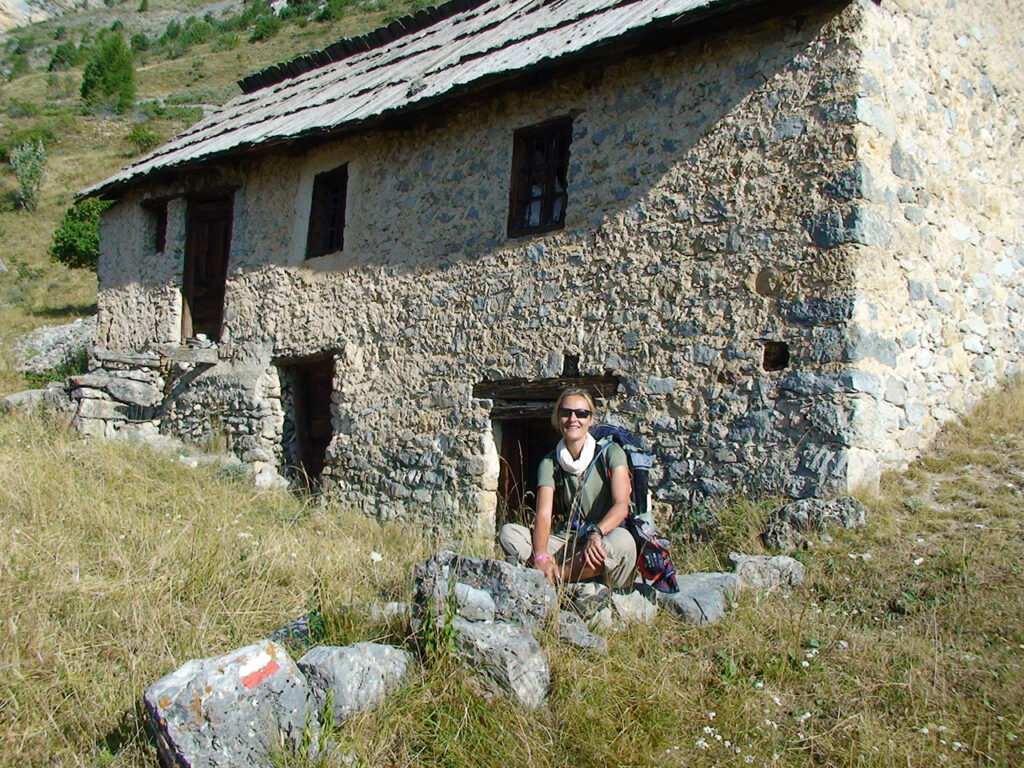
(586, 598)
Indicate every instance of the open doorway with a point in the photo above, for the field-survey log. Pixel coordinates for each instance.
(523, 443)
(306, 392)
(523, 434)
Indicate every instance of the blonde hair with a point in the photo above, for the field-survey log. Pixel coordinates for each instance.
(555, 421)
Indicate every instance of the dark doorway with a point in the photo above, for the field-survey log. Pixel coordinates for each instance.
(207, 245)
(311, 384)
(522, 418)
(524, 442)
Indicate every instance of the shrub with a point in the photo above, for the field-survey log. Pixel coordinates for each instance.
(29, 163)
(226, 42)
(42, 132)
(76, 243)
(298, 9)
(16, 65)
(172, 32)
(109, 77)
(144, 6)
(265, 28)
(18, 109)
(59, 86)
(335, 10)
(143, 137)
(139, 42)
(65, 56)
(195, 31)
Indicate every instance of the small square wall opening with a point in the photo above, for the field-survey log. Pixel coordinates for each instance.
(776, 355)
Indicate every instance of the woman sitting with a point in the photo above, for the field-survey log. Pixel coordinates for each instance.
(595, 494)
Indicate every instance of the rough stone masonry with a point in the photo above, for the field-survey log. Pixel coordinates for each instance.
(796, 241)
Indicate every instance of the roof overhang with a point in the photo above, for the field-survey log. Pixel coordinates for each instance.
(490, 45)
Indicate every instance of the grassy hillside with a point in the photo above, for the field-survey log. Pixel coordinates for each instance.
(177, 78)
(905, 648)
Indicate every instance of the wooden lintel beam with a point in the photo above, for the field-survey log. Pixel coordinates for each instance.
(542, 390)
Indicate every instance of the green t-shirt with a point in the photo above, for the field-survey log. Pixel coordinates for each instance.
(596, 496)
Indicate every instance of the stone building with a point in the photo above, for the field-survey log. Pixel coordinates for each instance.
(783, 240)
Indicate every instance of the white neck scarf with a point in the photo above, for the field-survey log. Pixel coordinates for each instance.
(576, 466)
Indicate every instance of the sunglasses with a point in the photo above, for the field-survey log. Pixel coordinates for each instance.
(581, 413)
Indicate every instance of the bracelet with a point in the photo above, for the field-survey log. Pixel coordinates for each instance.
(541, 556)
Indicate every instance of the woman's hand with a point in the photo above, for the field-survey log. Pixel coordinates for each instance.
(593, 552)
(542, 561)
(549, 567)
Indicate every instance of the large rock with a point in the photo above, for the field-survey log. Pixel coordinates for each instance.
(703, 598)
(53, 397)
(520, 595)
(134, 392)
(231, 710)
(573, 630)
(763, 573)
(786, 528)
(633, 607)
(49, 347)
(508, 655)
(359, 676)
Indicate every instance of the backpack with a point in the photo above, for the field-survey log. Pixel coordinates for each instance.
(653, 560)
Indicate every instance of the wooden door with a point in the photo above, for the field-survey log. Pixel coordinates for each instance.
(207, 246)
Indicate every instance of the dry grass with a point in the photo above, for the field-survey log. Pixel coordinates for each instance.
(905, 647)
(117, 565)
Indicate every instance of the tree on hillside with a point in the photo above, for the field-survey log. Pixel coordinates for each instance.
(65, 56)
(29, 163)
(76, 243)
(108, 81)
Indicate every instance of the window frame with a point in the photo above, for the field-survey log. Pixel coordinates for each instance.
(553, 168)
(327, 208)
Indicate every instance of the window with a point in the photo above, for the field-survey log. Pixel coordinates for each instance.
(207, 249)
(157, 210)
(540, 165)
(327, 213)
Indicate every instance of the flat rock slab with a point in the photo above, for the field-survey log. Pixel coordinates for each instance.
(702, 597)
(509, 655)
(359, 676)
(474, 604)
(230, 710)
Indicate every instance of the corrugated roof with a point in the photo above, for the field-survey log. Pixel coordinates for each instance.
(484, 42)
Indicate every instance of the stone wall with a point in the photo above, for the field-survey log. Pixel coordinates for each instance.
(705, 184)
(941, 172)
